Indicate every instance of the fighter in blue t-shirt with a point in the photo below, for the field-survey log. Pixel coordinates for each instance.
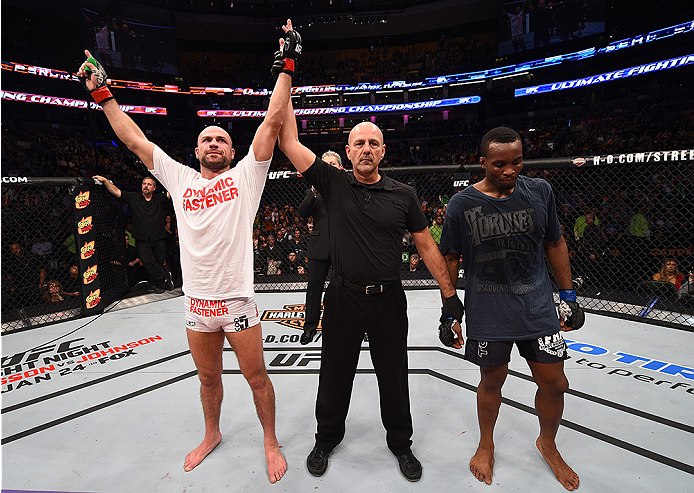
(500, 227)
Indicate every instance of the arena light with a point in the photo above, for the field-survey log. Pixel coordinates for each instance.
(75, 103)
(517, 74)
(667, 32)
(648, 68)
(684, 28)
(348, 110)
(679, 29)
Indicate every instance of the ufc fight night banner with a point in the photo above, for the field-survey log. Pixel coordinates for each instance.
(85, 242)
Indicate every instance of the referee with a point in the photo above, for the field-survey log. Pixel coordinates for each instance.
(368, 215)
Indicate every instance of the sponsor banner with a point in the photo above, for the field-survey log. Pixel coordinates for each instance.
(637, 40)
(54, 360)
(644, 157)
(625, 158)
(347, 110)
(85, 240)
(291, 316)
(84, 226)
(76, 103)
(13, 180)
(43, 181)
(682, 61)
(461, 181)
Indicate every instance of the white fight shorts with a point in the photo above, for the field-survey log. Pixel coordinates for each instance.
(232, 315)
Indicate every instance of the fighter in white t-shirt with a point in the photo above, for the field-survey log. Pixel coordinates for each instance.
(215, 210)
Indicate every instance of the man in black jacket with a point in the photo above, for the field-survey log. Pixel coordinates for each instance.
(147, 212)
(318, 252)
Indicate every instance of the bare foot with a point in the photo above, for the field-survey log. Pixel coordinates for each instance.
(276, 464)
(564, 474)
(482, 464)
(194, 458)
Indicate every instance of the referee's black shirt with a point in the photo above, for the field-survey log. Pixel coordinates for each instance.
(367, 222)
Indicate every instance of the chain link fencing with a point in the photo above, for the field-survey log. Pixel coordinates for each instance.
(624, 217)
(59, 260)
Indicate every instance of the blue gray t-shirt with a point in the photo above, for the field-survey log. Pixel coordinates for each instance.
(508, 294)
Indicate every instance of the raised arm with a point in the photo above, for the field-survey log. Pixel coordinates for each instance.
(301, 157)
(93, 77)
(109, 186)
(283, 71)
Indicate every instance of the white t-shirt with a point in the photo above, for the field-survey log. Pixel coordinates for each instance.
(215, 224)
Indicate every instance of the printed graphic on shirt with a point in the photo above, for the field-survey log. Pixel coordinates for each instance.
(222, 191)
(498, 224)
(502, 255)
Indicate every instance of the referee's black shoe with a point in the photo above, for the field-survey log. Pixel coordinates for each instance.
(307, 336)
(410, 467)
(317, 461)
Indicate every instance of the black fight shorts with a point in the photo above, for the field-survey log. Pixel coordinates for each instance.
(545, 349)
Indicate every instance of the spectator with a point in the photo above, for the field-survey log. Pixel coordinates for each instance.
(415, 264)
(581, 223)
(669, 272)
(590, 249)
(271, 257)
(637, 251)
(437, 227)
(42, 246)
(293, 266)
(54, 292)
(71, 279)
(296, 244)
(134, 271)
(25, 274)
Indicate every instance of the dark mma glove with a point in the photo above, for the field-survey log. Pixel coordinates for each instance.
(570, 310)
(278, 65)
(451, 312)
(285, 59)
(101, 92)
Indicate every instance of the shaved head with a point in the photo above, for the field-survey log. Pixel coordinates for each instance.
(213, 129)
(364, 126)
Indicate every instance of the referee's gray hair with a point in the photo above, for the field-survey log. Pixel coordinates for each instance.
(334, 154)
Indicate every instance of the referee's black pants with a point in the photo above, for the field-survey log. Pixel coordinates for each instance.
(317, 274)
(347, 316)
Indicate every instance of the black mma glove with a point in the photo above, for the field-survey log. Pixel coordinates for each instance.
(451, 312)
(285, 59)
(569, 309)
(278, 65)
(101, 92)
